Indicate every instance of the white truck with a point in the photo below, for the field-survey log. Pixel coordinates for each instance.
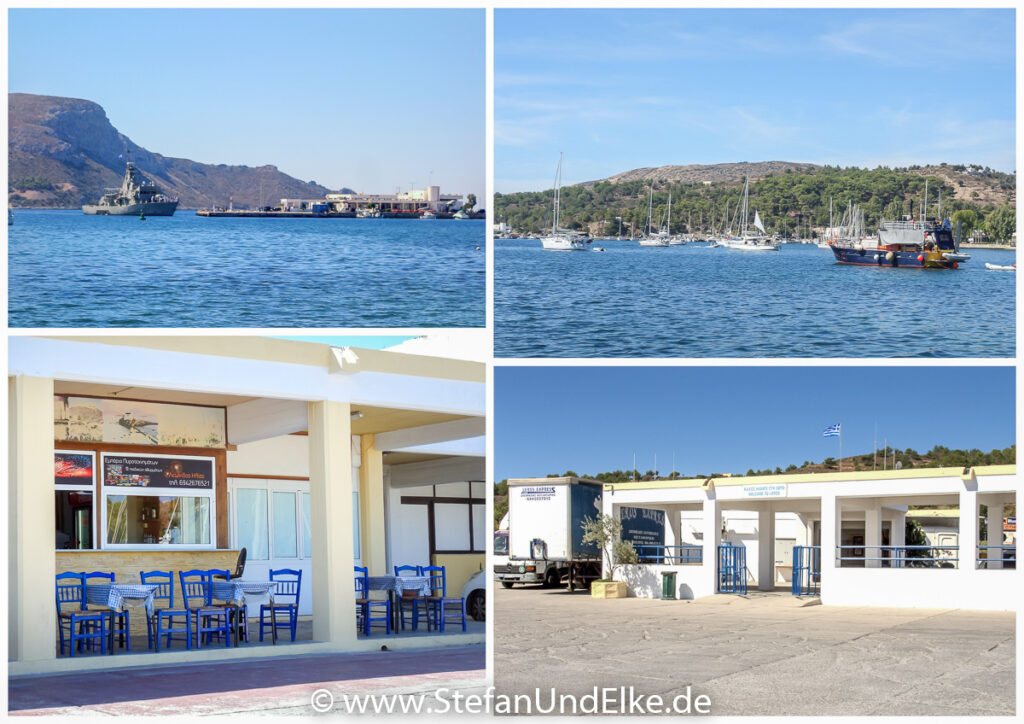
(544, 540)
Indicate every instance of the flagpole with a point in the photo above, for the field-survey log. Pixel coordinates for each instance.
(840, 448)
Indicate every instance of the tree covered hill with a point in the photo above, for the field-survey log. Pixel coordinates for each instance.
(789, 197)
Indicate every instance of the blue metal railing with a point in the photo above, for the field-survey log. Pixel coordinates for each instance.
(670, 555)
(934, 556)
(807, 570)
(732, 569)
(997, 554)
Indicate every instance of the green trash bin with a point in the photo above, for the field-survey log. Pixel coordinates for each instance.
(668, 585)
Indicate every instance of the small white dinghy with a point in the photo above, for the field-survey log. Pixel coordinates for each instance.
(1000, 267)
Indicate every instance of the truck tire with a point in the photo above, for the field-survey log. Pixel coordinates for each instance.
(552, 579)
(507, 584)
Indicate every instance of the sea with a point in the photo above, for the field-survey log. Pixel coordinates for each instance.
(698, 301)
(66, 269)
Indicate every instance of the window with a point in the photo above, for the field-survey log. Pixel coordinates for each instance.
(251, 521)
(285, 534)
(74, 480)
(157, 501)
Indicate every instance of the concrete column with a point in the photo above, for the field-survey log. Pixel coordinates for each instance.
(968, 534)
(831, 525)
(872, 533)
(330, 487)
(766, 547)
(371, 502)
(994, 521)
(899, 535)
(673, 531)
(711, 528)
(31, 562)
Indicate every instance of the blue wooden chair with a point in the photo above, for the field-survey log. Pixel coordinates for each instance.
(119, 620)
(289, 585)
(239, 613)
(442, 607)
(210, 619)
(407, 603)
(76, 625)
(365, 605)
(165, 592)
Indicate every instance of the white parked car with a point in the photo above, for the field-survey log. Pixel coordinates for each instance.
(475, 593)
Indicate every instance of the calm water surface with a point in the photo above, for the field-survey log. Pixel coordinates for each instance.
(695, 301)
(67, 269)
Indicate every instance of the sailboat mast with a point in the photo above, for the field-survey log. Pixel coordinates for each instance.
(668, 224)
(924, 204)
(650, 213)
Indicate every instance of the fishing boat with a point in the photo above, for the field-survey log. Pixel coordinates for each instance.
(137, 196)
(562, 239)
(747, 240)
(904, 244)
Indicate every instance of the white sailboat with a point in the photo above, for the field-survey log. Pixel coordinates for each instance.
(650, 238)
(748, 241)
(562, 239)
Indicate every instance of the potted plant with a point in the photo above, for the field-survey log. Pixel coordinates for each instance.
(606, 531)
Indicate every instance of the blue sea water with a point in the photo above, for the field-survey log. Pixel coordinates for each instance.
(697, 301)
(66, 269)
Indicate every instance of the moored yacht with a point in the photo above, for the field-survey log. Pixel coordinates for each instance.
(562, 239)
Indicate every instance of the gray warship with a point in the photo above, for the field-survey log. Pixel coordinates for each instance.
(138, 196)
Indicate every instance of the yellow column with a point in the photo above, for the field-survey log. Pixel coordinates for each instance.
(31, 561)
(371, 500)
(330, 487)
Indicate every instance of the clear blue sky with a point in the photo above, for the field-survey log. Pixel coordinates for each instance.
(731, 419)
(378, 341)
(369, 99)
(623, 89)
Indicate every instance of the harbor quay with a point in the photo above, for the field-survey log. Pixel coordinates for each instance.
(428, 203)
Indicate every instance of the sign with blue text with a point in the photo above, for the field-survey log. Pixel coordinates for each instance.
(765, 491)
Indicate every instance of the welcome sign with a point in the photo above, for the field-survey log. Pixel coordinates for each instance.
(156, 471)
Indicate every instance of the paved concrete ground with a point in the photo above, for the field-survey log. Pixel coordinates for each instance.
(766, 654)
(262, 686)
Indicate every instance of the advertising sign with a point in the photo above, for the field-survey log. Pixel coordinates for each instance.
(643, 526)
(73, 469)
(157, 471)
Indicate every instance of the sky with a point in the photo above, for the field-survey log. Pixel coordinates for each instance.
(375, 100)
(548, 420)
(379, 341)
(617, 90)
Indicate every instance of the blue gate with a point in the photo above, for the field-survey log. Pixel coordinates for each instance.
(807, 570)
(732, 568)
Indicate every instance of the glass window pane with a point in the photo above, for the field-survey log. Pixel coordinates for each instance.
(178, 519)
(73, 519)
(251, 522)
(451, 526)
(307, 534)
(479, 528)
(285, 536)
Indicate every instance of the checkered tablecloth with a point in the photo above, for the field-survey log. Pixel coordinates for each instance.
(237, 590)
(114, 595)
(400, 584)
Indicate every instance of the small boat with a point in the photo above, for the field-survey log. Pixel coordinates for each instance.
(957, 255)
(428, 214)
(460, 214)
(10, 217)
(562, 239)
(1000, 267)
(598, 248)
(748, 241)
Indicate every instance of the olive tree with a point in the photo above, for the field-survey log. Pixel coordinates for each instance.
(606, 532)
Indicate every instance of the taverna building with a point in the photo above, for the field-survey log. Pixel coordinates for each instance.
(174, 453)
(837, 535)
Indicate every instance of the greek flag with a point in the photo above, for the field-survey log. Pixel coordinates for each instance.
(832, 431)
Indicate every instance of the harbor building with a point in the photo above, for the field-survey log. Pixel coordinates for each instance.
(840, 536)
(130, 454)
(414, 201)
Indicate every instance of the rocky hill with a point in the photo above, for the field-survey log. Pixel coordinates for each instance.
(713, 173)
(62, 152)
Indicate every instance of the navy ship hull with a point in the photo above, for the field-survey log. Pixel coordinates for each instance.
(152, 208)
(892, 258)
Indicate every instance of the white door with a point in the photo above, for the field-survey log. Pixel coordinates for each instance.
(270, 518)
